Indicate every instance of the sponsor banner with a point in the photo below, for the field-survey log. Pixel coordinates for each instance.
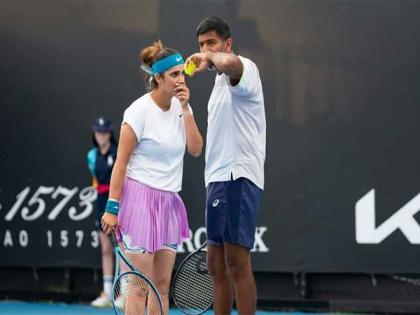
(55, 226)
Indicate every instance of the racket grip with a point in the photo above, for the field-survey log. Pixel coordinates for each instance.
(113, 239)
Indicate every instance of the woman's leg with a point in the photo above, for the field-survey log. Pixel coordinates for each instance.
(136, 297)
(162, 271)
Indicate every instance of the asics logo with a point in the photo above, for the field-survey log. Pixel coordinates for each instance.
(215, 202)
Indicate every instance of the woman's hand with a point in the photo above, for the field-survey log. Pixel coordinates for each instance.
(182, 94)
(109, 223)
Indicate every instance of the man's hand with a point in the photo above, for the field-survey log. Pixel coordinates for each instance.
(201, 60)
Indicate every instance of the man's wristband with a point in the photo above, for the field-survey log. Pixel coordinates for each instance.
(112, 206)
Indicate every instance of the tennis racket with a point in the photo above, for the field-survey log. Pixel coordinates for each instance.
(132, 292)
(192, 288)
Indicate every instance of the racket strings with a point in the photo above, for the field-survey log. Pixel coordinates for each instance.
(193, 287)
(133, 295)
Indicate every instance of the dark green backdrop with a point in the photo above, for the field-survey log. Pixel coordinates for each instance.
(342, 104)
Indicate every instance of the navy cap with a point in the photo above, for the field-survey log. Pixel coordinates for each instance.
(102, 124)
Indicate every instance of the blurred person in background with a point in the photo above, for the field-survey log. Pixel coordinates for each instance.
(101, 160)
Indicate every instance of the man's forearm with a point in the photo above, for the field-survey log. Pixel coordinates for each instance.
(229, 64)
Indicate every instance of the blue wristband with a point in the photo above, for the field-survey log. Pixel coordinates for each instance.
(112, 206)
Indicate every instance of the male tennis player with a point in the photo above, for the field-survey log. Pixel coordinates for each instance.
(234, 174)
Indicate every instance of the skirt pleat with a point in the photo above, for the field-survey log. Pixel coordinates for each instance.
(151, 217)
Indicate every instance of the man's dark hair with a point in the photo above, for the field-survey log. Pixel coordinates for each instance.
(214, 23)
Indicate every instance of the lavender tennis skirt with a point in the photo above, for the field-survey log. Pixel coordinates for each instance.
(151, 218)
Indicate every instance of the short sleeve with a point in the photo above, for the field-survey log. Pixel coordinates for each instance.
(91, 160)
(134, 116)
(250, 79)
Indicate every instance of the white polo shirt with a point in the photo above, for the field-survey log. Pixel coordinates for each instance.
(236, 131)
(157, 160)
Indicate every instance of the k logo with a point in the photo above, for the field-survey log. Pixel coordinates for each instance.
(369, 231)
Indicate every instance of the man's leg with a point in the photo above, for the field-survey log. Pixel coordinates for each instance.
(215, 226)
(222, 282)
(239, 237)
(238, 260)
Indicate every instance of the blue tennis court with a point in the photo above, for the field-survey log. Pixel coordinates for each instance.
(30, 308)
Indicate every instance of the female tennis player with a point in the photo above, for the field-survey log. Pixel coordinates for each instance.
(144, 206)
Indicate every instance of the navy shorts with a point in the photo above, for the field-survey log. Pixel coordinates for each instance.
(231, 212)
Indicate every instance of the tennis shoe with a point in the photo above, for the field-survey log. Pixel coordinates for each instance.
(102, 300)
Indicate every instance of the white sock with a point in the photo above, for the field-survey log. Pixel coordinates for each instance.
(107, 282)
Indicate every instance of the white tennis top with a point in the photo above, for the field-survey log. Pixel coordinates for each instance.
(236, 132)
(157, 160)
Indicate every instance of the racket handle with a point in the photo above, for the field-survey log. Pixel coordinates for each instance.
(113, 239)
